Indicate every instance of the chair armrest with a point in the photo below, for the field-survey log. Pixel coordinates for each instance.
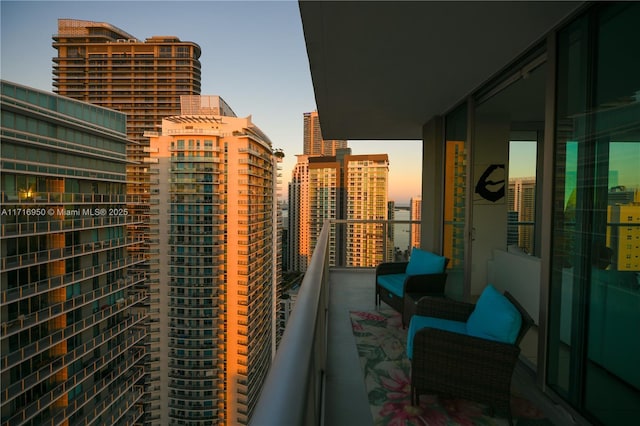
(439, 307)
(426, 283)
(391, 268)
(447, 358)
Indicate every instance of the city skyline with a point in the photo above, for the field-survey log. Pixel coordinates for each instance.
(277, 92)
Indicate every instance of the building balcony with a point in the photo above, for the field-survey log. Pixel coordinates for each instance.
(319, 360)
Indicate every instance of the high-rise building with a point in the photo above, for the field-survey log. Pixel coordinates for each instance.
(326, 157)
(366, 184)
(415, 213)
(101, 64)
(299, 237)
(624, 237)
(324, 200)
(104, 65)
(314, 144)
(214, 258)
(339, 187)
(72, 330)
(391, 230)
(521, 196)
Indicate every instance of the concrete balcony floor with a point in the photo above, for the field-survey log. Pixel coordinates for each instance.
(346, 400)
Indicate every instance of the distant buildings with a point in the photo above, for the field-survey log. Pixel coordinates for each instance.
(313, 142)
(415, 213)
(343, 187)
(521, 197)
(623, 237)
(72, 312)
(366, 186)
(324, 199)
(214, 261)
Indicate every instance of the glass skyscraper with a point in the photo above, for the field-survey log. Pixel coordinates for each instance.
(72, 334)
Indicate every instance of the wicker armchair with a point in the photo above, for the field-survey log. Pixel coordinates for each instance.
(413, 288)
(460, 365)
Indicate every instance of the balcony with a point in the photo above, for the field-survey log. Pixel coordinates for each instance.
(319, 360)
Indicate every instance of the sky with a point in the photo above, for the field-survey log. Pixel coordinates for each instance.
(253, 56)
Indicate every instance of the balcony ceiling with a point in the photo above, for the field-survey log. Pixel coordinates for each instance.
(380, 70)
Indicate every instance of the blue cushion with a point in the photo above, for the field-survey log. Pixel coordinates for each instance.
(494, 317)
(419, 322)
(393, 282)
(424, 262)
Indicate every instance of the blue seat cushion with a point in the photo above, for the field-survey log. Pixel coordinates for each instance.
(393, 282)
(419, 322)
(494, 317)
(424, 262)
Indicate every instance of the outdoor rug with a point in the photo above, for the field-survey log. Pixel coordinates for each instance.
(381, 340)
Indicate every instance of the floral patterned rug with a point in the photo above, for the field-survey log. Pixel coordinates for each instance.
(381, 346)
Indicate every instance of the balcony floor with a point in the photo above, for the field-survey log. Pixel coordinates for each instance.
(346, 400)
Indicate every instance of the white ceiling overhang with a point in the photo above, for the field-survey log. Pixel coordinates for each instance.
(381, 69)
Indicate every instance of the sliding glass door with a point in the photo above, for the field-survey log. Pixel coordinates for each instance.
(593, 342)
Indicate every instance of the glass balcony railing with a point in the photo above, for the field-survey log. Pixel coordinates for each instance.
(367, 243)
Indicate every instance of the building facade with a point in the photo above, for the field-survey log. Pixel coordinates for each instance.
(313, 142)
(101, 64)
(366, 184)
(324, 200)
(415, 213)
(340, 188)
(299, 237)
(521, 199)
(214, 261)
(73, 313)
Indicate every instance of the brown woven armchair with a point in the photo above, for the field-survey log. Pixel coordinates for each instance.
(400, 290)
(460, 365)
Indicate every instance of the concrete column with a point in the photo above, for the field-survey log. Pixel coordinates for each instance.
(432, 184)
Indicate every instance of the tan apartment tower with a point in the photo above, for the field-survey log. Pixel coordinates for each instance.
(415, 214)
(324, 200)
(339, 187)
(101, 64)
(214, 247)
(366, 185)
(314, 144)
(314, 196)
(72, 315)
(299, 216)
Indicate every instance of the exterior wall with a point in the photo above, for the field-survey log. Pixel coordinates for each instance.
(219, 251)
(491, 144)
(72, 310)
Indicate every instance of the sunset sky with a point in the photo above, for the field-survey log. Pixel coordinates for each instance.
(253, 55)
